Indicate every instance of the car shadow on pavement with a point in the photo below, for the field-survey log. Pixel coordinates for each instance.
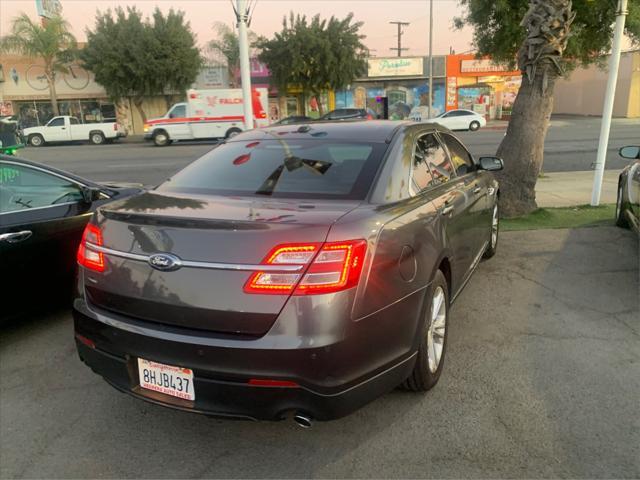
(541, 380)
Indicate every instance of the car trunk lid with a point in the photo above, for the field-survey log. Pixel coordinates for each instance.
(230, 232)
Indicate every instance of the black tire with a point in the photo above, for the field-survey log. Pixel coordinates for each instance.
(621, 219)
(474, 126)
(36, 140)
(161, 138)
(424, 378)
(492, 247)
(97, 138)
(232, 132)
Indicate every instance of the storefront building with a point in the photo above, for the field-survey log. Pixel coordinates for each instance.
(582, 93)
(291, 102)
(24, 92)
(403, 81)
(481, 85)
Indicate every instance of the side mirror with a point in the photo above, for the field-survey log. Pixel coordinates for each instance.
(171, 115)
(90, 194)
(491, 164)
(630, 152)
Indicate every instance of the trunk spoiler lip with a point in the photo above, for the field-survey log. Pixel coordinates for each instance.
(241, 267)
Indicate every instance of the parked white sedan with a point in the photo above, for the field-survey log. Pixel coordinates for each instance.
(460, 120)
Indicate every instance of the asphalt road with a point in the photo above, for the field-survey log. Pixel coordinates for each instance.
(542, 379)
(571, 145)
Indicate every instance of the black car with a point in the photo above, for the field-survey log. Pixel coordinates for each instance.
(294, 119)
(349, 114)
(288, 272)
(628, 201)
(43, 212)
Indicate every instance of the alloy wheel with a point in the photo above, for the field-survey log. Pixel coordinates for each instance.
(437, 328)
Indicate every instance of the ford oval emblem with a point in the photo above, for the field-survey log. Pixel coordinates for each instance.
(165, 262)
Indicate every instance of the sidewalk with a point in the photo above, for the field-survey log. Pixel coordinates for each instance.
(566, 189)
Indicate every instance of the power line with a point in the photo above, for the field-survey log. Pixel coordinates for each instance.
(399, 48)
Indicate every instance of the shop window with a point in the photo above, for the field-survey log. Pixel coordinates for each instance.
(27, 114)
(396, 96)
(108, 111)
(45, 112)
(91, 112)
(292, 106)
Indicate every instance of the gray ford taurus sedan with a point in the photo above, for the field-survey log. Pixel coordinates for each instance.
(292, 271)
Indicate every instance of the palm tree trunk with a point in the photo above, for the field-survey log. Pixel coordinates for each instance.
(53, 95)
(547, 23)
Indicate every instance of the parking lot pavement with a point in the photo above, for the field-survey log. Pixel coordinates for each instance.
(542, 380)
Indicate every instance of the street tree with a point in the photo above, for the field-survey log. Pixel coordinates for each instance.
(50, 42)
(546, 39)
(225, 48)
(138, 57)
(316, 55)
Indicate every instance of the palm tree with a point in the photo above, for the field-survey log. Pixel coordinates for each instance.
(225, 48)
(548, 27)
(52, 42)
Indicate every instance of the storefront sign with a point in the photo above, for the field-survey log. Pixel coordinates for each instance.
(481, 66)
(48, 8)
(452, 92)
(258, 69)
(212, 77)
(395, 67)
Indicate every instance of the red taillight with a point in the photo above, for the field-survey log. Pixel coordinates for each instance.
(324, 268)
(369, 117)
(87, 257)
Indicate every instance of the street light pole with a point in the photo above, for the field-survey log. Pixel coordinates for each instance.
(242, 16)
(430, 56)
(607, 111)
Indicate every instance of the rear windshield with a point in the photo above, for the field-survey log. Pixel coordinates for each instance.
(278, 168)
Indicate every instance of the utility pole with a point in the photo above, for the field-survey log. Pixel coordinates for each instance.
(430, 57)
(607, 111)
(243, 16)
(399, 48)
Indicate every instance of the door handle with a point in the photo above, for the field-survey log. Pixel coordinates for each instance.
(16, 236)
(446, 210)
(477, 190)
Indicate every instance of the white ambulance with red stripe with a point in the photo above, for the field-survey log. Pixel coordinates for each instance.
(207, 114)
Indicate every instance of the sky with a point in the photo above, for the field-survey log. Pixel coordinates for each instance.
(268, 14)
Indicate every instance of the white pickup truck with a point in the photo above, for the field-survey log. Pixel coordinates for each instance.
(69, 129)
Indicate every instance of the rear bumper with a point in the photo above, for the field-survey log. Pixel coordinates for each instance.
(221, 374)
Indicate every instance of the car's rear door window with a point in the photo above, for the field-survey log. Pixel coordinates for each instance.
(294, 168)
(436, 158)
(420, 177)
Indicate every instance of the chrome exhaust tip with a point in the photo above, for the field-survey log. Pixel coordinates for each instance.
(302, 420)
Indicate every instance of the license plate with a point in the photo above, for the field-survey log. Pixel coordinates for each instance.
(167, 379)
